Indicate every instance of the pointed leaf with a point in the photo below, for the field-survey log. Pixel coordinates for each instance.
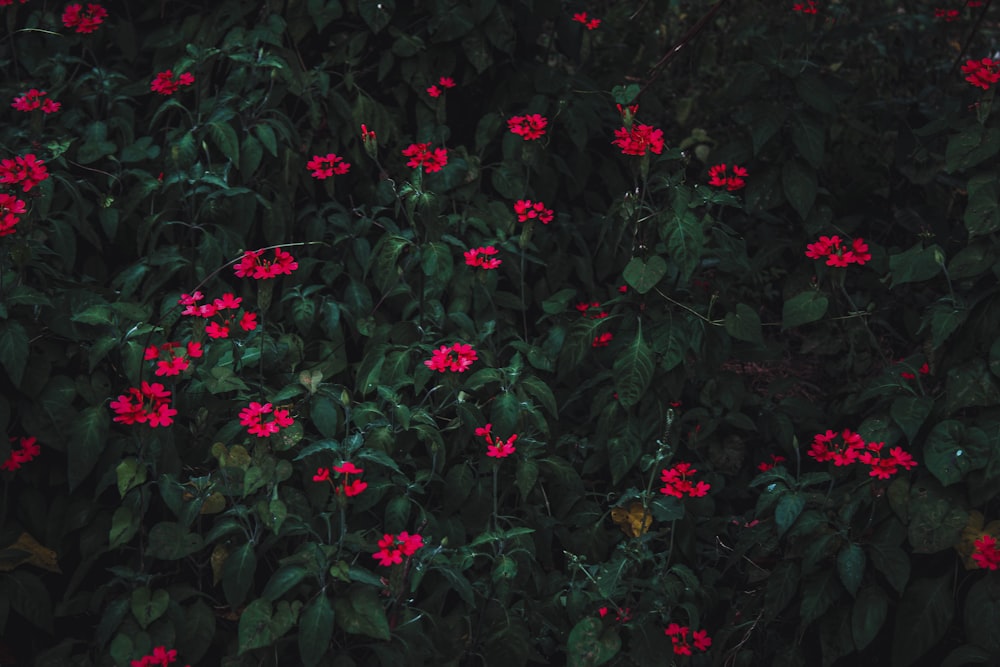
(633, 370)
(922, 619)
(315, 630)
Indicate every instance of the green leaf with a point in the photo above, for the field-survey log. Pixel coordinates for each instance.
(283, 579)
(916, 264)
(13, 350)
(124, 526)
(558, 302)
(266, 137)
(540, 391)
(238, 573)
(803, 308)
(952, 450)
(376, 13)
(360, 612)
(788, 510)
(936, 518)
(868, 616)
(436, 261)
(505, 415)
(922, 619)
(130, 474)
(982, 214)
(970, 385)
(623, 452)
(90, 429)
(743, 323)
(851, 566)
(251, 153)
(982, 613)
(798, 180)
(892, 562)
(324, 413)
(315, 630)
(624, 95)
(169, 540)
(685, 239)
(261, 626)
(633, 370)
(819, 592)
(808, 135)
(225, 138)
(967, 654)
(782, 585)
(642, 275)
(590, 643)
(29, 598)
(814, 92)
(147, 605)
(910, 412)
(971, 146)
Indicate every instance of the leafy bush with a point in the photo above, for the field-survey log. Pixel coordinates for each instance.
(359, 332)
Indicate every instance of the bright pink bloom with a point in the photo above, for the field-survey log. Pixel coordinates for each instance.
(638, 139)
(253, 415)
(26, 169)
(84, 20)
(10, 208)
(165, 83)
(171, 358)
(982, 73)
(677, 482)
(807, 7)
(836, 253)
(328, 165)
(764, 466)
(986, 554)
(947, 15)
(251, 265)
(590, 23)
(482, 257)
(531, 126)
(434, 91)
(446, 82)
(394, 547)
(528, 210)
(733, 181)
(27, 450)
(679, 636)
(33, 99)
(602, 340)
(422, 156)
(322, 475)
(147, 404)
(457, 358)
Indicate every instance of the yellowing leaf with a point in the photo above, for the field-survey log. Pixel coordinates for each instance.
(27, 550)
(634, 521)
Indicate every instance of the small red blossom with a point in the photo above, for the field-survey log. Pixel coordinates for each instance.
(33, 99)
(219, 328)
(677, 482)
(421, 155)
(529, 127)
(457, 358)
(392, 548)
(837, 253)
(446, 82)
(734, 181)
(946, 15)
(10, 208)
(482, 257)
(146, 404)
(26, 170)
(982, 73)
(322, 475)
(528, 210)
(165, 83)
(602, 340)
(497, 448)
(841, 448)
(434, 91)
(592, 310)
(253, 265)
(366, 134)
(253, 415)
(637, 139)
(589, 22)
(84, 20)
(172, 358)
(328, 165)
(807, 7)
(160, 657)
(924, 369)
(622, 615)
(764, 466)
(679, 636)
(885, 464)
(986, 554)
(27, 449)
(349, 487)
(969, 3)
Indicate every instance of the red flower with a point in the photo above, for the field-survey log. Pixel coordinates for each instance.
(986, 554)
(394, 547)
(348, 468)
(497, 447)
(366, 134)
(719, 178)
(636, 139)
(10, 208)
(25, 169)
(947, 15)
(147, 404)
(251, 265)
(252, 417)
(764, 466)
(590, 23)
(676, 482)
(322, 475)
(27, 449)
(422, 156)
(171, 358)
(84, 20)
(165, 83)
(434, 91)
(325, 167)
(160, 657)
(457, 358)
(591, 310)
(679, 636)
(837, 254)
(482, 257)
(981, 73)
(885, 465)
(531, 126)
(808, 7)
(843, 448)
(602, 340)
(527, 210)
(446, 82)
(32, 100)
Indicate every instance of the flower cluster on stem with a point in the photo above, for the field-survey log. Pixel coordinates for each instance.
(700, 641)
(847, 447)
(27, 449)
(32, 100)
(254, 265)
(349, 487)
(837, 252)
(147, 404)
(254, 418)
(393, 548)
(456, 358)
(219, 328)
(496, 447)
(173, 358)
(677, 482)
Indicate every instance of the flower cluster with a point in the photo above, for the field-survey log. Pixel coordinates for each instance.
(392, 548)
(252, 265)
(443, 84)
(986, 554)
(457, 358)
(676, 482)
(679, 636)
(622, 615)
(32, 100)
(350, 487)
(10, 208)
(807, 7)
(946, 15)
(528, 210)
(924, 369)
(982, 73)
(592, 310)
(497, 448)
(837, 253)
(25, 170)
(165, 83)
(719, 177)
(421, 155)
(28, 449)
(252, 417)
(326, 166)
(160, 657)
(8, 3)
(172, 358)
(84, 20)
(482, 257)
(220, 328)
(848, 447)
(637, 139)
(602, 340)
(589, 22)
(529, 127)
(147, 404)
(764, 466)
